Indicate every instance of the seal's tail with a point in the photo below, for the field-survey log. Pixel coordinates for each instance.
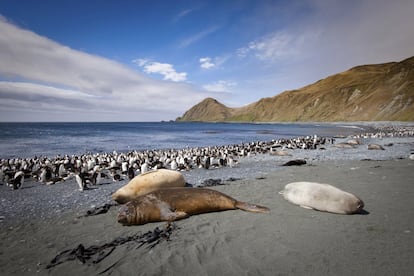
(252, 207)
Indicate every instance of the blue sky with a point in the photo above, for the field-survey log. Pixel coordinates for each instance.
(100, 60)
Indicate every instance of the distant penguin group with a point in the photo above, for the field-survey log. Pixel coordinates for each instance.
(94, 168)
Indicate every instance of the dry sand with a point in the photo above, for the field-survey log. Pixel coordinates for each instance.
(288, 241)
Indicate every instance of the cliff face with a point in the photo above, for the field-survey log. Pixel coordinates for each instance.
(381, 92)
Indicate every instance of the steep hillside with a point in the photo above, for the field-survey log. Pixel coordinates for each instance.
(381, 92)
(208, 110)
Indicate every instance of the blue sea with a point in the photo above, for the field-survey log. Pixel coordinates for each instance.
(51, 139)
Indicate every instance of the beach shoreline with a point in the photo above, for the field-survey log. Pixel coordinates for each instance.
(288, 241)
(39, 222)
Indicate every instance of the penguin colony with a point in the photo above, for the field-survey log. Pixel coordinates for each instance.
(92, 169)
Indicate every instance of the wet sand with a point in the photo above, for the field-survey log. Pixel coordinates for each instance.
(288, 241)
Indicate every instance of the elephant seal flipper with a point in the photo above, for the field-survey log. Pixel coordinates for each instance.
(180, 215)
(174, 215)
(307, 207)
(245, 206)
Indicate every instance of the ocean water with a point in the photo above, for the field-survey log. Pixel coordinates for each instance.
(51, 139)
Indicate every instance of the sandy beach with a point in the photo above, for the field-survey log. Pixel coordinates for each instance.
(288, 241)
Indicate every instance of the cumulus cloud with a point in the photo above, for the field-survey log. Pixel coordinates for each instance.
(165, 69)
(216, 62)
(39, 75)
(206, 63)
(220, 86)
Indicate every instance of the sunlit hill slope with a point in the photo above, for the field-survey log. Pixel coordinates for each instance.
(380, 92)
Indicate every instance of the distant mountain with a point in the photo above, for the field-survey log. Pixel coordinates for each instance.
(380, 92)
(208, 110)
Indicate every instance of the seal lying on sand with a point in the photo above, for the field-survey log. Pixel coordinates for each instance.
(375, 147)
(148, 182)
(344, 146)
(322, 197)
(280, 153)
(178, 203)
(296, 162)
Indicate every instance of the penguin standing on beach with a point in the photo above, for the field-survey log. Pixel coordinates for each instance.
(144, 167)
(45, 175)
(124, 167)
(206, 163)
(81, 180)
(17, 181)
(174, 165)
(131, 172)
(231, 161)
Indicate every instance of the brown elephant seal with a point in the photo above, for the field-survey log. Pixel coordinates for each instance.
(148, 182)
(322, 197)
(178, 203)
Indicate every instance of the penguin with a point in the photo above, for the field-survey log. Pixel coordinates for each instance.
(17, 181)
(131, 173)
(207, 163)
(81, 180)
(95, 178)
(62, 171)
(144, 168)
(45, 175)
(174, 165)
(124, 167)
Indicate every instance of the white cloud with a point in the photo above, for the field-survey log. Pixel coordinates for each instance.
(279, 45)
(345, 33)
(216, 62)
(361, 32)
(331, 37)
(220, 86)
(183, 13)
(198, 36)
(165, 69)
(206, 63)
(141, 61)
(41, 76)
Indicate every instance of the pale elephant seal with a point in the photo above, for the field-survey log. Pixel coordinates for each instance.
(375, 147)
(322, 197)
(280, 153)
(354, 142)
(178, 203)
(344, 146)
(148, 182)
